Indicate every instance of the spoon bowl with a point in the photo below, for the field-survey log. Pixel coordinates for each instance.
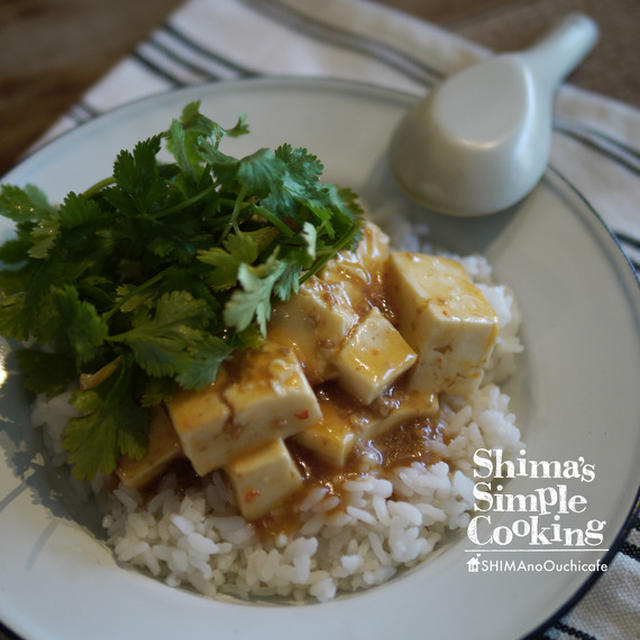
(480, 141)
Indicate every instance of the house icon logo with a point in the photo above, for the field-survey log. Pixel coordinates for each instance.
(473, 564)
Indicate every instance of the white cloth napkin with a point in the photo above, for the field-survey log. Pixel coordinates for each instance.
(596, 145)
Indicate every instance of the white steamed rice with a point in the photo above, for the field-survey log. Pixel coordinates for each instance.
(363, 538)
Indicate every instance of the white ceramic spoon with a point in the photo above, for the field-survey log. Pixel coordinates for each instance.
(479, 142)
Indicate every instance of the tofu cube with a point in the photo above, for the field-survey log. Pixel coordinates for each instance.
(164, 448)
(261, 396)
(360, 270)
(200, 419)
(314, 324)
(373, 357)
(333, 436)
(272, 397)
(263, 478)
(445, 318)
(398, 407)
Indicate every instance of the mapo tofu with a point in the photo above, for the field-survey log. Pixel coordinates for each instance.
(363, 349)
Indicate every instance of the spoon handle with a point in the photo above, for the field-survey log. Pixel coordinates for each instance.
(562, 49)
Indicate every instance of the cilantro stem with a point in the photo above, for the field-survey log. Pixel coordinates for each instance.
(185, 203)
(345, 241)
(92, 190)
(236, 209)
(275, 221)
(233, 221)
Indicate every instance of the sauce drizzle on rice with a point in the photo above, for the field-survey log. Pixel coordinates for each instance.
(408, 443)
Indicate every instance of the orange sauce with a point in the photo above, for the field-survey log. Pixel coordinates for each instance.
(406, 444)
(400, 447)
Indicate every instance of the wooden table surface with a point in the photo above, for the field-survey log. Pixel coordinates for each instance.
(51, 51)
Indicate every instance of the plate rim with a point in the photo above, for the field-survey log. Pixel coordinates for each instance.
(634, 511)
(315, 83)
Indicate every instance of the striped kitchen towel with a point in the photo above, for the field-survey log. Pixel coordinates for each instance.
(596, 145)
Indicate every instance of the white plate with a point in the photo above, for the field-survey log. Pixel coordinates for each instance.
(576, 394)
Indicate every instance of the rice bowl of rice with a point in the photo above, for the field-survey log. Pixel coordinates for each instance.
(390, 557)
(360, 538)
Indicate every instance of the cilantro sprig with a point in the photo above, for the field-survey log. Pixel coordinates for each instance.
(162, 269)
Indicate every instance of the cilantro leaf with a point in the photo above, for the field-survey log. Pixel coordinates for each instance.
(193, 121)
(225, 167)
(241, 246)
(177, 145)
(25, 306)
(262, 237)
(15, 250)
(160, 344)
(43, 237)
(303, 169)
(37, 367)
(156, 390)
(77, 211)
(114, 425)
(138, 178)
(205, 361)
(240, 128)
(288, 282)
(21, 205)
(310, 235)
(255, 298)
(225, 272)
(261, 172)
(11, 316)
(84, 328)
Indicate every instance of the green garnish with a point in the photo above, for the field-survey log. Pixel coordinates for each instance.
(166, 269)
